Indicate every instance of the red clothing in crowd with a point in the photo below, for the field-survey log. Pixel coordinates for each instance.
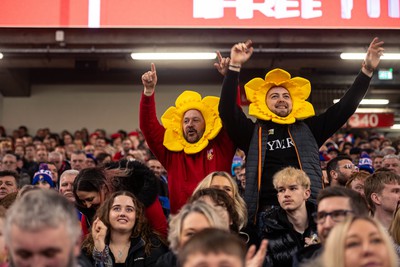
(185, 171)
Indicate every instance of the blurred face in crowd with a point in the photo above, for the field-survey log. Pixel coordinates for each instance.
(100, 143)
(156, 167)
(40, 147)
(126, 145)
(364, 246)
(90, 163)
(377, 163)
(20, 151)
(344, 170)
(358, 185)
(9, 163)
(66, 186)
(89, 149)
(41, 156)
(222, 183)
(30, 152)
(279, 101)
(57, 160)
(54, 173)
(92, 199)
(193, 223)
(242, 177)
(43, 185)
(67, 139)
(30, 249)
(193, 126)
(333, 206)
(392, 164)
(8, 185)
(291, 195)
(389, 197)
(78, 161)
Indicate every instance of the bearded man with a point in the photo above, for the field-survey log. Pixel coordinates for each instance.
(287, 132)
(190, 144)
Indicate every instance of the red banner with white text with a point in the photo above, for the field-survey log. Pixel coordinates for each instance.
(371, 120)
(263, 14)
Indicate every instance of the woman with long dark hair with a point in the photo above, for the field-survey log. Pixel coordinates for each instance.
(121, 236)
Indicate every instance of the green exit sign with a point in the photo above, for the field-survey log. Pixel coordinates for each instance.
(385, 74)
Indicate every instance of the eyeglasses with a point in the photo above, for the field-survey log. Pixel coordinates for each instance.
(336, 216)
(350, 166)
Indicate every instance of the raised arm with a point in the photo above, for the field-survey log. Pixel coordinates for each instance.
(222, 64)
(240, 53)
(149, 80)
(373, 57)
(152, 130)
(327, 123)
(239, 127)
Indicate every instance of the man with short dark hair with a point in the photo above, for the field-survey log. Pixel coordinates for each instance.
(339, 170)
(335, 204)
(9, 163)
(382, 191)
(8, 183)
(78, 160)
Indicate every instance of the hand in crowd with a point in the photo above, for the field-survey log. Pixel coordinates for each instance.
(149, 80)
(99, 231)
(222, 64)
(373, 56)
(241, 52)
(256, 258)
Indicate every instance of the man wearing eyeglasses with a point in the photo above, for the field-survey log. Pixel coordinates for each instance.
(335, 204)
(339, 170)
(382, 191)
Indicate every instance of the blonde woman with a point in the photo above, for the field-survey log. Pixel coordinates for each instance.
(359, 241)
(192, 218)
(222, 180)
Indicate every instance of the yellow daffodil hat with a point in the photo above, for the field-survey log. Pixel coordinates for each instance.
(173, 116)
(299, 90)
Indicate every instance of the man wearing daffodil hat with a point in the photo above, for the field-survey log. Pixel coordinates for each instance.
(190, 144)
(287, 132)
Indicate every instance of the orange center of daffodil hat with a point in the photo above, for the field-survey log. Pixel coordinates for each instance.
(299, 90)
(172, 118)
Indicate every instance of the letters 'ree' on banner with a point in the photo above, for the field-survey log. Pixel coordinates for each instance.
(351, 14)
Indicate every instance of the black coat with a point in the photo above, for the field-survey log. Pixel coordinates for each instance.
(283, 240)
(137, 256)
(169, 259)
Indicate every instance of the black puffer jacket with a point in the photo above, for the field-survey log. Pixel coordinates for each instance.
(283, 240)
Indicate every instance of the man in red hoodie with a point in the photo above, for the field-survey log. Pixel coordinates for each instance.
(190, 144)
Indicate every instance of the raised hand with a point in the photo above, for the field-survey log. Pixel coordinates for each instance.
(149, 80)
(99, 232)
(241, 52)
(222, 64)
(373, 56)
